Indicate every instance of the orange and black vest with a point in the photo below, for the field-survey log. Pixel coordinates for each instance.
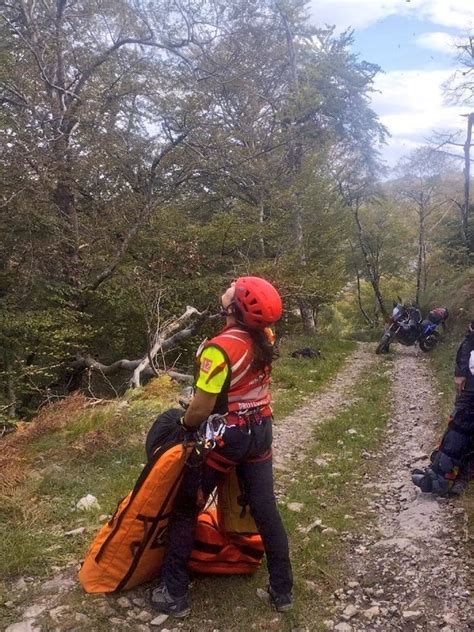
(246, 386)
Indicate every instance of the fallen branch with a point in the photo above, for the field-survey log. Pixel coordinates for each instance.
(157, 346)
(144, 367)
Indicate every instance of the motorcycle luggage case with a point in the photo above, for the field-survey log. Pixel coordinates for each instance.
(437, 316)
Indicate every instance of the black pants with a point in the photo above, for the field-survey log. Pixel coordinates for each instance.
(456, 446)
(240, 444)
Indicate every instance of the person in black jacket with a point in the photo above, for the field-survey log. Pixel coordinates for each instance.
(464, 371)
(447, 472)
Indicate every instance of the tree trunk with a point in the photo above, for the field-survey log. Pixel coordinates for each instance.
(421, 247)
(359, 301)
(467, 182)
(9, 387)
(425, 271)
(64, 198)
(261, 209)
(295, 161)
(307, 317)
(370, 270)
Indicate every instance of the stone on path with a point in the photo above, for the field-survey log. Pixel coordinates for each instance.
(371, 613)
(350, 611)
(124, 602)
(411, 615)
(87, 502)
(329, 531)
(58, 584)
(78, 531)
(34, 611)
(58, 612)
(22, 626)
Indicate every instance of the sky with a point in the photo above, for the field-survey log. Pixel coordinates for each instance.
(413, 43)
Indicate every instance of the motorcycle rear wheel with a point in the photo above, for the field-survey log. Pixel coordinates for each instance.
(384, 344)
(429, 343)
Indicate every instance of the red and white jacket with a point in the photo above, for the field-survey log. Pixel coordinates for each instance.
(246, 387)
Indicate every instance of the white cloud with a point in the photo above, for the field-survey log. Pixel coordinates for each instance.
(362, 13)
(410, 104)
(456, 13)
(438, 41)
(354, 13)
(409, 90)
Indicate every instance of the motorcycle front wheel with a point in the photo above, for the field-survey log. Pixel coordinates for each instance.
(384, 344)
(429, 343)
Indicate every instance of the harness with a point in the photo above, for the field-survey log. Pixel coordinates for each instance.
(214, 428)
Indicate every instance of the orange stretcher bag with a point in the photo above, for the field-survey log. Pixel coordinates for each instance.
(218, 553)
(226, 540)
(129, 549)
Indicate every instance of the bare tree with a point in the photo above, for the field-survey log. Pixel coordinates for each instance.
(451, 145)
(356, 184)
(459, 90)
(166, 337)
(420, 185)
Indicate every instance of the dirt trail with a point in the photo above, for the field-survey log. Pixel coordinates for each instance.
(290, 433)
(410, 572)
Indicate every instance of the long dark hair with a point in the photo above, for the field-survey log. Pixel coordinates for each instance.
(264, 349)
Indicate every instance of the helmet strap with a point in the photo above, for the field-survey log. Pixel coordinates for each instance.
(230, 314)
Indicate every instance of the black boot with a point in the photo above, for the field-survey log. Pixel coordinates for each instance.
(429, 481)
(163, 601)
(281, 603)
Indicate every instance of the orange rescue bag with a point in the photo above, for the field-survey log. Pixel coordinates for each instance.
(129, 549)
(219, 553)
(226, 541)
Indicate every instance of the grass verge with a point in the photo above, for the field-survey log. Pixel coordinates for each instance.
(294, 379)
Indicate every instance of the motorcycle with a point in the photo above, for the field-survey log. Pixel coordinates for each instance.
(407, 327)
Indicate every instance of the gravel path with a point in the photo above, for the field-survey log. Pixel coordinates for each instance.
(293, 431)
(410, 573)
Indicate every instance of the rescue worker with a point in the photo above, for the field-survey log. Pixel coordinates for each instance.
(449, 466)
(233, 380)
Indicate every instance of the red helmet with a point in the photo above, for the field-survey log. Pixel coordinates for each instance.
(258, 301)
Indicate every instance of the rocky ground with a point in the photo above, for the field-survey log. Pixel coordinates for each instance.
(407, 573)
(411, 572)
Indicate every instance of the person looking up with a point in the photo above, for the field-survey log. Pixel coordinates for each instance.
(233, 380)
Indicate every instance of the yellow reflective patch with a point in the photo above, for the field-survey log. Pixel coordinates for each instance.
(213, 370)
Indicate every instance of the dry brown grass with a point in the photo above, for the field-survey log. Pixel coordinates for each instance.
(93, 442)
(13, 458)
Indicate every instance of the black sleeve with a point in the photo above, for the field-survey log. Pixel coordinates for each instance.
(461, 368)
